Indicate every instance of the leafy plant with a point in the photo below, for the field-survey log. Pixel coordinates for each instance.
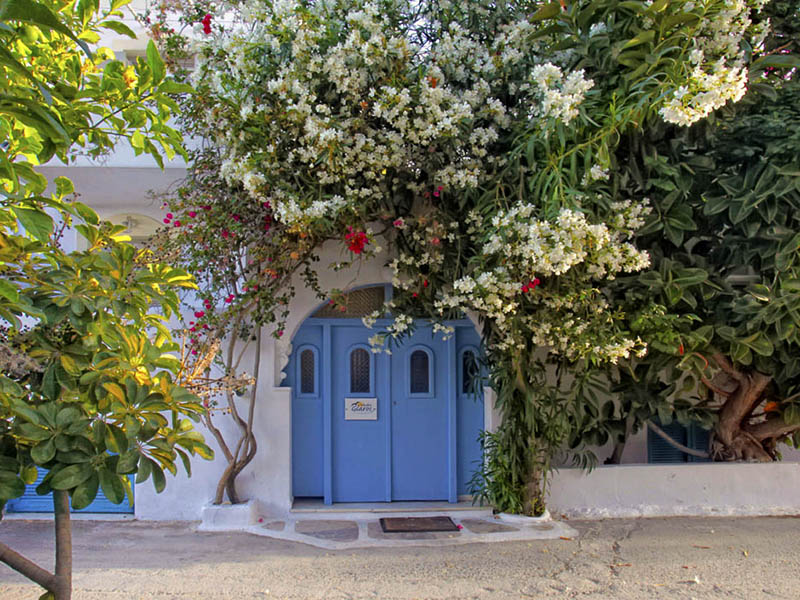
(89, 385)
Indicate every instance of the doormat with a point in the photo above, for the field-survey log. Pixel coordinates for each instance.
(416, 524)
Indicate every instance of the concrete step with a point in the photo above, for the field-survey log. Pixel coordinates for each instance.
(316, 509)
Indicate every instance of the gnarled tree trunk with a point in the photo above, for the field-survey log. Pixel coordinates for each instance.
(742, 433)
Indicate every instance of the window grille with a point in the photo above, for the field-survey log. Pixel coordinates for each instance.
(356, 304)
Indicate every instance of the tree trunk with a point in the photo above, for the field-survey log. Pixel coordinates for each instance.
(63, 587)
(60, 583)
(732, 441)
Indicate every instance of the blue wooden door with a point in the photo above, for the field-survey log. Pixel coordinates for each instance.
(422, 441)
(359, 448)
(421, 430)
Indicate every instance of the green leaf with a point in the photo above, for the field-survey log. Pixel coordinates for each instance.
(34, 432)
(67, 415)
(791, 414)
(548, 11)
(170, 86)
(28, 11)
(43, 452)
(64, 186)
(11, 486)
(159, 480)
(71, 477)
(8, 291)
(36, 222)
(155, 63)
(128, 461)
(112, 486)
(643, 38)
(119, 27)
(86, 492)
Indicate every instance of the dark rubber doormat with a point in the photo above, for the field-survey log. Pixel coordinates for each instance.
(415, 524)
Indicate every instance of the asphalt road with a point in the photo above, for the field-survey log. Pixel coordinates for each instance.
(677, 558)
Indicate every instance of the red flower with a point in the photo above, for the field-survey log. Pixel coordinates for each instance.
(206, 24)
(199, 314)
(192, 214)
(356, 240)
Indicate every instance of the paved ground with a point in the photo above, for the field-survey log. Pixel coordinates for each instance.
(679, 558)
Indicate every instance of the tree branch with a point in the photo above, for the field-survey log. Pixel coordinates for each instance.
(685, 449)
(715, 388)
(725, 365)
(771, 428)
(26, 567)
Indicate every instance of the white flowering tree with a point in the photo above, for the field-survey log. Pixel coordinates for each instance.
(475, 140)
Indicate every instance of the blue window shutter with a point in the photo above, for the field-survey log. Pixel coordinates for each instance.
(31, 502)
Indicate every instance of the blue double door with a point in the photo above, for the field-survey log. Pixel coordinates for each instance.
(391, 427)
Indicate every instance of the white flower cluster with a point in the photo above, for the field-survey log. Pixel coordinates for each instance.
(560, 95)
(519, 249)
(719, 73)
(704, 93)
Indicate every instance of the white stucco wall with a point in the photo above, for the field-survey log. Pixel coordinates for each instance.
(715, 489)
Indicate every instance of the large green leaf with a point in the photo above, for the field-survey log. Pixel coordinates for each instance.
(29, 11)
(71, 477)
(36, 222)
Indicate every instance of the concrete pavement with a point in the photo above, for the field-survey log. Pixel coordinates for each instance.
(659, 558)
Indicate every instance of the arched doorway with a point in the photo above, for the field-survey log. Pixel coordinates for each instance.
(378, 427)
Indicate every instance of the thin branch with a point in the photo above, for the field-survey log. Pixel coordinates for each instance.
(715, 388)
(725, 365)
(685, 449)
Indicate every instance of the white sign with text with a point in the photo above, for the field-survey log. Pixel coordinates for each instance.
(360, 409)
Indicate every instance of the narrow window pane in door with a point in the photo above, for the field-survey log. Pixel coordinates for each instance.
(307, 372)
(469, 371)
(420, 383)
(359, 371)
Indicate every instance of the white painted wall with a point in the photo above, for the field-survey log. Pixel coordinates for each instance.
(716, 489)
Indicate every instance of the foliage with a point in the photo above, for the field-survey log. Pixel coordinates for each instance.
(726, 271)
(476, 141)
(88, 387)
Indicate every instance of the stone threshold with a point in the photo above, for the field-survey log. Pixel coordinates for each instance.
(342, 533)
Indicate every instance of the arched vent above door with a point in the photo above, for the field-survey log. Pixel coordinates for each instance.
(356, 304)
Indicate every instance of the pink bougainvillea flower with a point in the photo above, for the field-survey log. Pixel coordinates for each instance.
(169, 215)
(280, 333)
(225, 233)
(192, 214)
(199, 314)
(177, 223)
(167, 221)
(399, 223)
(206, 24)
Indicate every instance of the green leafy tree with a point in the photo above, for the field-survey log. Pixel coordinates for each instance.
(92, 388)
(725, 241)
